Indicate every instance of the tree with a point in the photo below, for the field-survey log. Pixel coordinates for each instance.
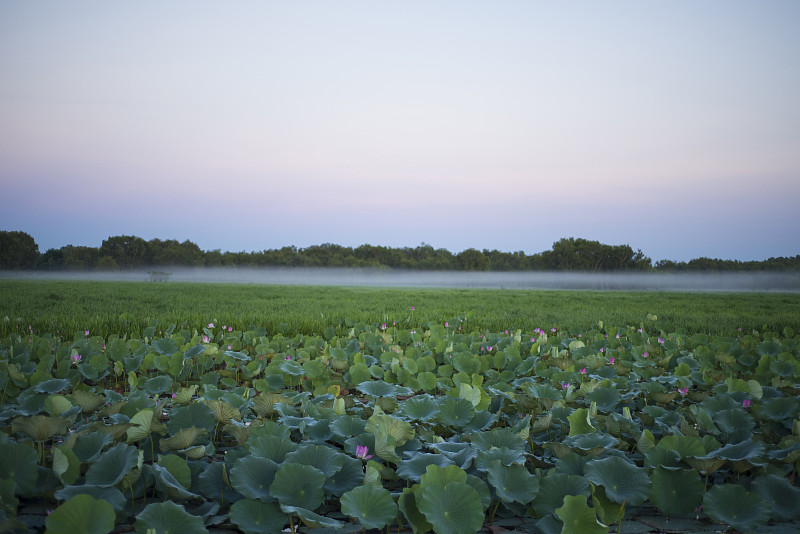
(18, 250)
(127, 251)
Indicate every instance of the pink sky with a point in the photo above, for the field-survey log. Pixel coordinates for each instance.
(672, 127)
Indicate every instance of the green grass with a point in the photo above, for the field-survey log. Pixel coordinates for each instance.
(105, 308)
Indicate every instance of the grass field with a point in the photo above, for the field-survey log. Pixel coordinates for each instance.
(105, 308)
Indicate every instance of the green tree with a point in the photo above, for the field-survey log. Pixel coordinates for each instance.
(18, 250)
(127, 251)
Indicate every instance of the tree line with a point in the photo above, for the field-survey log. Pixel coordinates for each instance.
(18, 250)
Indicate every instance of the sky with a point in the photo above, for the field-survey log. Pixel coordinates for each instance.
(673, 127)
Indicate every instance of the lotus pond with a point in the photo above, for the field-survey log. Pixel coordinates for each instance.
(400, 426)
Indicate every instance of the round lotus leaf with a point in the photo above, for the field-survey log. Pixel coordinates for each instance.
(252, 476)
(112, 465)
(111, 495)
(40, 427)
(554, 487)
(780, 409)
(504, 455)
(54, 385)
(621, 480)
(168, 484)
(497, 438)
(606, 398)
(377, 388)
(89, 447)
(752, 451)
(19, 462)
(455, 412)
(594, 443)
(273, 447)
(783, 497)
(512, 483)
(571, 464)
(661, 457)
(373, 506)
(298, 485)
(213, 483)
(442, 475)
(736, 506)
(324, 458)
(453, 508)
(347, 426)
(578, 518)
(195, 415)
(168, 517)
(348, 477)
(82, 513)
(256, 517)
(736, 423)
(310, 518)
(415, 467)
(158, 385)
(407, 502)
(420, 408)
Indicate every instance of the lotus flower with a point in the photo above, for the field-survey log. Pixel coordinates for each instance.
(683, 391)
(746, 403)
(611, 360)
(76, 358)
(361, 452)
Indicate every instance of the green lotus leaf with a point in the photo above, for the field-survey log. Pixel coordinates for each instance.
(168, 484)
(736, 423)
(497, 438)
(291, 368)
(622, 481)
(311, 519)
(273, 447)
(18, 462)
(196, 414)
(111, 495)
(685, 446)
(415, 467)
(54, 385)
(512, 483)
(594, 443)
(456, 412)
(40, 427)
(452, 508)
(223, 411)
(347, 426)
(348, 477)
(324, 458)
(782, 368)
(298, 485)
(768, 347)
(66, 465)
(749, 450)
(736, 506)
(505, 455)
(213, 483)
(400, 431)
(408, 505)
(371, 505)
(420, 408)
(483, 420)
(89, 447)
(241, 356)
(252, 476)
(82, 513)
(157, 385)
(165, 345)
(580, 422)
(112, 465)
(554, 487)
(606, 398)
(177, 467)
(377, 388)
(784, 498)
(183, 439)
(780, 409)
(256, 517)
(60, 405)
(442, 475)
(607, 510)
(662, 457)
(87, 400)
(184, 395)
(578, 518)
(142, 422)
(168, 517)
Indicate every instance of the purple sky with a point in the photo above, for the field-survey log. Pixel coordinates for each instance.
(672, 126)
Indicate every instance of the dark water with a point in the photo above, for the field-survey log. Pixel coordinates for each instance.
(753, 281)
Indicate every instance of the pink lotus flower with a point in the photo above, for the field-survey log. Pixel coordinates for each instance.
(412, 308)
(746, 403)
(565, 385)
(361, 452)
(639, 330)
(288, 357)
(644, 354)
(583, 371)
(611, 360)
(683, 391)
(602, 349)
(76, 358)
(85, 332)
(446, 324)
(230, 329)
(661, 340)
(553, 329)
(383, 326)
(206, 339)
(579, 334)
(211, 325)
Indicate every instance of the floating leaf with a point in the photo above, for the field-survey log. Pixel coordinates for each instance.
(455, 412)
(324, 458)
(415, 467)
(578, 518)
(512, 483)
(453, 508)
(371, 505)
(168, 517)
(554, 487)
(256, 517)
(252, 476)
(622, 481)
(82, 513)
(298, 485)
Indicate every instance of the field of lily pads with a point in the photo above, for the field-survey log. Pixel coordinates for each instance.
(400, 425)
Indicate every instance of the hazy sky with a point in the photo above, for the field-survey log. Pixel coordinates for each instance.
(670, 126)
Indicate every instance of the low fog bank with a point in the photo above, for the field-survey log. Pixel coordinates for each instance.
(731, 281)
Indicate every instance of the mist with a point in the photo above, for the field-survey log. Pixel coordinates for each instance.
(702, 282)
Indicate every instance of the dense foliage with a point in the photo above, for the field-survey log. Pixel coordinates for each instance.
(436, 426)
(19, 251)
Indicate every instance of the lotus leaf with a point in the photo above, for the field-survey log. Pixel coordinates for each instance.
(736, 506)
(456, 412)
(66, 465)
(554, 487)
(512, 483)
(736, 423)
(622, 481)
(415, 467)
(18, 462)
(578, 518)
(371, 505)
(40, 427)
(213, 483)
(142, 422)
(89, 446)
(504, 455)
(112, 465)
(310, 518)
(606, 398)
(168, 517)
(496, 438)
(685, 446)
(195, 415)
(252, 476)
(168, 484)
(54, 385)
(783, 497)
(580, 422)
(183, 439)
(82, 513)
(111, 495)
(452, 508)
(420, 408)
(750, 450)
(348, 477)
(256, 517)
(324, 458)
(88, 401)
(298, 485)
(408, 505)
(273, 447)
(157, 385)
(571, 464)
(607, 510)
(177, 467)
(593, 443)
